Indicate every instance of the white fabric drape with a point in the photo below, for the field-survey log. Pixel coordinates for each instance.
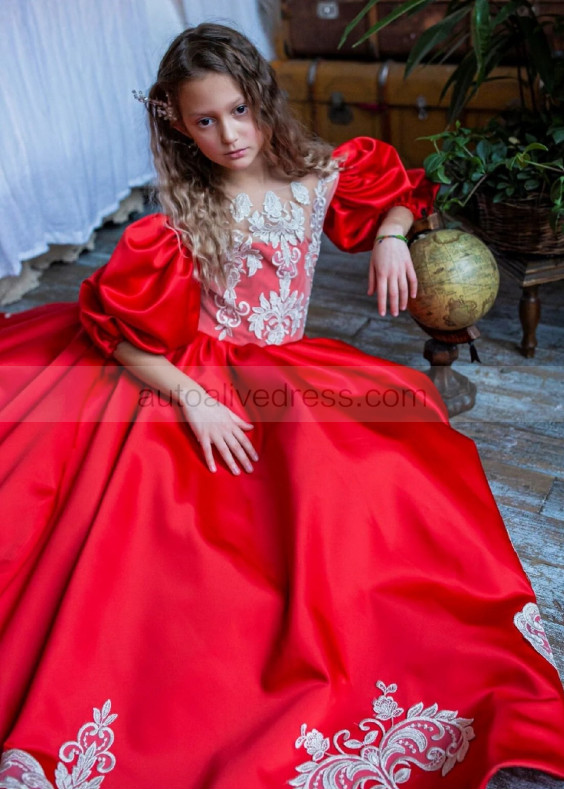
(73, 141)
(248, 16)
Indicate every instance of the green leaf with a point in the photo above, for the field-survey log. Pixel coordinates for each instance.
(557, 221)
(437, 34)
(481, 33)
(477, 162)
(501, 48)
(435, 170)
(445, 54)
(433, 162)
(557, 134)
(507, 11)
(462, 80)
(535, 147)
(410, 6)
(441, 176)
(358, 18)
(484, 149)
(539, 50)
(557, 191)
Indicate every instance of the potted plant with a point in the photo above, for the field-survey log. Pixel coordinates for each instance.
(509, 173)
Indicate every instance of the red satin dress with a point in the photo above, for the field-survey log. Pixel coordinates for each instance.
(350, 614)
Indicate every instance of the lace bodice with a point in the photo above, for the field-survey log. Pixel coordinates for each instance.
(270, 266)
(149, 293)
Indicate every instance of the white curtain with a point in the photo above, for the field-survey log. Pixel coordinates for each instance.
(73, 141)
(251, 17)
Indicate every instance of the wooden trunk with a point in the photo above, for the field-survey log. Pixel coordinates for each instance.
(311, 28)
(546, 9)
(340, 100)
(397, 39)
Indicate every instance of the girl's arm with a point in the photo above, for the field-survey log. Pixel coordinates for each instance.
(211, 421)
(391, 273)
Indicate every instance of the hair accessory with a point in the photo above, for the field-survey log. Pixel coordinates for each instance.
(162, 109)
(380, 239)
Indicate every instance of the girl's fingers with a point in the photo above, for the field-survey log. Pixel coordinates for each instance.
(245, 442)
(412, 280)
(403, 292)
(227, 435)
(208, 455)
(382, 296)
(239, 453)
(246, 426)
(393, 297)
(371, 279)
(227, 456)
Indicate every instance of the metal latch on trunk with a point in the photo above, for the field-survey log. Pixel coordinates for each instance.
(422, 108)
(328, 10)
(339, 111)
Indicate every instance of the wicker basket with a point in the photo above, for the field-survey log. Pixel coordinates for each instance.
(523, 226)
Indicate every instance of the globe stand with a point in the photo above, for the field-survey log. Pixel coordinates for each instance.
(457, 391)
(458, 282)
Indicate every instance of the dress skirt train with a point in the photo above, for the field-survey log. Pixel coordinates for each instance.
(303, 625)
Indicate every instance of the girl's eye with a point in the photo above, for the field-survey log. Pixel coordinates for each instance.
(241, 109)
(205, 122)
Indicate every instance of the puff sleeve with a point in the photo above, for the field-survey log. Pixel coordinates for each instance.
(146, 294)
(372, 180)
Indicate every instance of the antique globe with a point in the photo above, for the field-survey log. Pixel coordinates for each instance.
(458, 281)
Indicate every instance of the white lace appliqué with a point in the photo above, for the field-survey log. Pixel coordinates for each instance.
(317, 217)
(230, 313)
(277, 221)
(88, 755)
(428, 738)
(241, 207)
(282, 226)
(278, 316)
(300, 193)
(529, 623)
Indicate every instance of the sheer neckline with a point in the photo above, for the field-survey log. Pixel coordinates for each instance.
(270, 202)
(276, 191)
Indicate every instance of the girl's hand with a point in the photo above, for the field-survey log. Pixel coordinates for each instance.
(215, 424)
(392, 275)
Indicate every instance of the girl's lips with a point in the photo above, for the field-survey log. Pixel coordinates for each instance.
(237, 154)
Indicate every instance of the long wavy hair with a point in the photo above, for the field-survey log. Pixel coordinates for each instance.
(189, 186)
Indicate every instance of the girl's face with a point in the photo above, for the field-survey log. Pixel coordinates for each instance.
(216, 117)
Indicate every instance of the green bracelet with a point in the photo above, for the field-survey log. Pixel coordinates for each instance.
(380, 239)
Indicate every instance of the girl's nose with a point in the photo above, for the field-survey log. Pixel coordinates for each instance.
(228, 131)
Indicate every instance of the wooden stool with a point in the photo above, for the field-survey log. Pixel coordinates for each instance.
(457, 391)
(530, 271)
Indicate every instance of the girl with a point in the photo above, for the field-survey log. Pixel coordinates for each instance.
(233, 556)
